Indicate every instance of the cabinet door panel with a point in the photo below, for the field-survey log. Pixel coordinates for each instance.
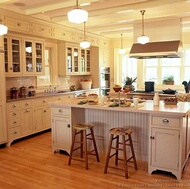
(165, 148)
(38, 118)
(61, 133)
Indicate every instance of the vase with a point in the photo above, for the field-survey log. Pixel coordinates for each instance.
(129, 87)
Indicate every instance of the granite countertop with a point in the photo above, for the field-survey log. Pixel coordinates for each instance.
(41, 95)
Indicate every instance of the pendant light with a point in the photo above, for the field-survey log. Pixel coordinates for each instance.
(3, 28)
(77, 15)
(84, 44)
(122, 50)
(143, 39)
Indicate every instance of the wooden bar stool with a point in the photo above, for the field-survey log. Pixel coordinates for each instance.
(126, 141)
(81, 129)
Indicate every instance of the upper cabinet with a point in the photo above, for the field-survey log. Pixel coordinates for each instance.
(23, 56)
(73, 60)
(33, 57)
(12, 56)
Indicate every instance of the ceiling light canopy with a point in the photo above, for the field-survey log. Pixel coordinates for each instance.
(143, 39)
(84, 44)
(77, 15)
(122, 50)
(3, 29)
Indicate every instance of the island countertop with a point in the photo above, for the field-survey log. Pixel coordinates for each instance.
(181, 109)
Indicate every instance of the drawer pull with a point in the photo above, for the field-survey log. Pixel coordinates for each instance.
(14, 114)
(44, 111)
(44, 101)
(26, 111)
(68, 125)
(14, 122)
(15, 132)
(60, 111)
(165, 121)
(13, 106)
(59, 98)
(26, 104)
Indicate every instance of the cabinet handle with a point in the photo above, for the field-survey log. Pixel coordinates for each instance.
(60, 111)
(14, 114)
(165, 121)
(44, 111)
(44, 101)
(151, 137)
(14, 122)
(68, 125)
(13, 106)
(59, 98)
(15, 132)
(26, 111)
(26, 104)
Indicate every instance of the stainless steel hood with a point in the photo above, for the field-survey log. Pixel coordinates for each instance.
(162, 49)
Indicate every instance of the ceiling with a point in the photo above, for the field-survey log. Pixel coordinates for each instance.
(109, 18)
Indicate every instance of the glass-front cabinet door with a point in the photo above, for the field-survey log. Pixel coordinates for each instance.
(72, 55)
(33, 58)
(85, 61)
(12, 56)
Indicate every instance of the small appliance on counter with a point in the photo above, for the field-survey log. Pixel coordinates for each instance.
(31, 91)
(14, 92)
(23, 91)
(149, 86)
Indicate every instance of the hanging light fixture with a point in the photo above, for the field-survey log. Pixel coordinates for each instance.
(3, 28)
(122, 50)
(143, 38)
(84, 44)
(77, 15)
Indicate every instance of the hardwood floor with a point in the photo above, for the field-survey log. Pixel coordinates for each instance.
(30, 164)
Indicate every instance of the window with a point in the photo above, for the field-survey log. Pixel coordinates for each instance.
(46, 79)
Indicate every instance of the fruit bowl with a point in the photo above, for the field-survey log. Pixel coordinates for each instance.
(116, 89)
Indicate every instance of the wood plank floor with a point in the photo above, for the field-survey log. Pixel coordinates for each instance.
(30, 164)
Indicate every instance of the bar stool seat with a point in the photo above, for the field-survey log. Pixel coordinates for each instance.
(125, 134)
(81, 129)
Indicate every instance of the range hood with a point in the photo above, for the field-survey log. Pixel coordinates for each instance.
(162, 49)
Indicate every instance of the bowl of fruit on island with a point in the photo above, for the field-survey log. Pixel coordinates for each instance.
(170, 101)
(117, 88)
(93, 98)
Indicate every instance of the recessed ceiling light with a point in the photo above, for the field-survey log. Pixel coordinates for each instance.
(19, 4)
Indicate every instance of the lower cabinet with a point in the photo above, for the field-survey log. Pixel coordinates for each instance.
(167, 144)
(61, 129)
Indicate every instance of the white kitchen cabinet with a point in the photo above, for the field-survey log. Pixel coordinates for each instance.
(33, 63)
(61, 129)
(12, 56)
(41, 29)
(77, 60)
(104, 57)
(166, 147)
(42, 114)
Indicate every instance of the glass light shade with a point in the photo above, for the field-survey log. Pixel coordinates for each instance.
(28, 49)
(122, 51)
(84, 44)
(3, 29)
(143, 39)
(77, 16)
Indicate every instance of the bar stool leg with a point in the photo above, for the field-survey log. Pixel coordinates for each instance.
(85, 149)
(117, 151)
(72, 147)
(132, 151)
(95, 147)
(108, 154)
(125, 156)
(81, 143)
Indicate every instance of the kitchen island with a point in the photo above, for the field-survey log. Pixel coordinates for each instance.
(160, 134)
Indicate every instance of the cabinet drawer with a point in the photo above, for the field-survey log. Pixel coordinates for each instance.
(13, 106)
(14, 122)
(14, 114)
(165, 121)
(26, 104)
(43, 101)
(14, 133)
(61, 111)
(41, 29)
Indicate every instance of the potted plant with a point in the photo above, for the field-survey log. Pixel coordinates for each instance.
(168, 80)
(128, 83)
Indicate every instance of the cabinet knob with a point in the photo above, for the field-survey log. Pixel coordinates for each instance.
(44, 111)
(60, 111)
(26, 111)
(151, 137)
(165, 121)
(15, 132)
(13, 106)
(14, 122)
(14, 114)
(44, 101)
(26, 104)
(68, 125)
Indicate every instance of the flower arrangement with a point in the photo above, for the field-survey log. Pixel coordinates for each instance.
(168, 80)
(129, 80)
